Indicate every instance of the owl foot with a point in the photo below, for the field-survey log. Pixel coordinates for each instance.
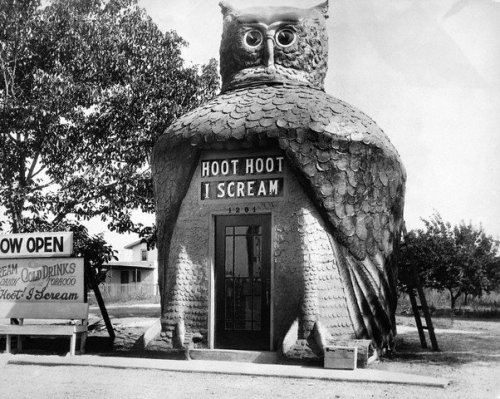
(375, 358)
(179, 334)
(310, 348)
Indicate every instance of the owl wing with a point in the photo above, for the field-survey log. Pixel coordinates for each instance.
(172, 168)
(355, 178)
(346, 164)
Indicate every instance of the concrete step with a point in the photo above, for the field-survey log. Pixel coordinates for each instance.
(231, 368)
(230, 355)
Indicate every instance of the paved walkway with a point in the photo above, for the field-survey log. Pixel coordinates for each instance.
(230, 368)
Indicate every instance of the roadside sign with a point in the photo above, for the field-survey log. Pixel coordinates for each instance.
(39, 245)
(42, 280)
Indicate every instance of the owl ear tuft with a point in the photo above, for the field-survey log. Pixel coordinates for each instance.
(322, 9)
(226, 8)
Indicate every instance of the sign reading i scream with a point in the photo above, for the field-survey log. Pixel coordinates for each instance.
(244, 177)
(42, 280)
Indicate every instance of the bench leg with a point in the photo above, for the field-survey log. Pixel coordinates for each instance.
(19, 338)
(83, 339)
(8, 343)
(72, 345)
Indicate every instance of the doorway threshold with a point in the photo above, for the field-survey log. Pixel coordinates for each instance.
(232, 355)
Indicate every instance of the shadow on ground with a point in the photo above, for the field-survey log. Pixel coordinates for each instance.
(460, 341)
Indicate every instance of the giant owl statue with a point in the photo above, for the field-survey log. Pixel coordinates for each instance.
(334, 237)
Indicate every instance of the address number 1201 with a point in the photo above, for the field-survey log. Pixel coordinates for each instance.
(245, 209)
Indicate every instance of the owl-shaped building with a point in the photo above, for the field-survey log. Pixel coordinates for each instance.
(279, 207)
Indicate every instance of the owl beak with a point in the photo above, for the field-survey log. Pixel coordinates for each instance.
(269, 52)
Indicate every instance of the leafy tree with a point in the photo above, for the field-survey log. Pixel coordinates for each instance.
(86, 86)
(461, 259)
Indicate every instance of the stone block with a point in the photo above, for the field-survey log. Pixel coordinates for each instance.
(363, 346)
(341, 357)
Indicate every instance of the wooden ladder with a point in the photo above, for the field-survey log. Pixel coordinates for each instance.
(416, 294)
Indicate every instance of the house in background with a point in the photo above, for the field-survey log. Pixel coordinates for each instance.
(136, 276)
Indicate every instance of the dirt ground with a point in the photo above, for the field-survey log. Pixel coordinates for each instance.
(469, 357)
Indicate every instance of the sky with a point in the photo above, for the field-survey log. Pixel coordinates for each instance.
(427, 71)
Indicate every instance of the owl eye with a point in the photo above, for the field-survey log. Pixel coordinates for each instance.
(253, 38)
(285, 37)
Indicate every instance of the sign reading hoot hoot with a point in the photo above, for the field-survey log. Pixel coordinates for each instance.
(243, 178)
(279, 207)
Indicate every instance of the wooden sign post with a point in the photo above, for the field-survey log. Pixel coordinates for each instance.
(100, 302)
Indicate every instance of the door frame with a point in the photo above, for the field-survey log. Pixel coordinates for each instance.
(212, 278)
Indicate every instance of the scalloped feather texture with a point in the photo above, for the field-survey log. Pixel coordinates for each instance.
(353, 172)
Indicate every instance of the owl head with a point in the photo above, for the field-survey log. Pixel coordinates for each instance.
(273, 45)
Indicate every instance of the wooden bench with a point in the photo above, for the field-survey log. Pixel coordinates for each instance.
(76, 328)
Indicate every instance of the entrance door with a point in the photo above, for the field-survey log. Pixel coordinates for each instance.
(242, 268)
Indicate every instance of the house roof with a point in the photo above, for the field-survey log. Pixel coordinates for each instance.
(136, 264)
(133, 244)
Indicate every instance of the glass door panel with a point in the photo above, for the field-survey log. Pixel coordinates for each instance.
(243, 278)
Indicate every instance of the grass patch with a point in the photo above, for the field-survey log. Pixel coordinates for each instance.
(486, 306)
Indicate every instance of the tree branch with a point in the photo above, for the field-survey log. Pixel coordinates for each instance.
(32, 167)
(43, 167)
